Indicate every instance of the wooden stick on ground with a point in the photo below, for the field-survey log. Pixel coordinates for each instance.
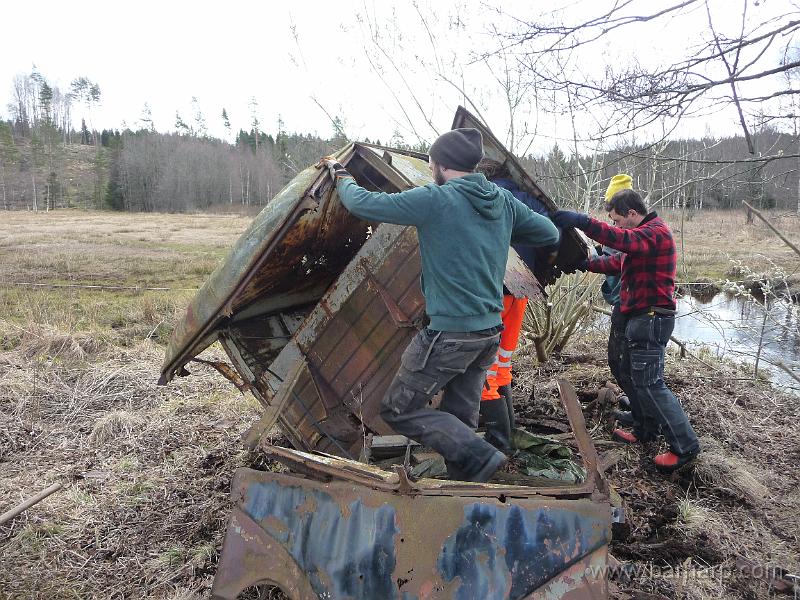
(20, 508)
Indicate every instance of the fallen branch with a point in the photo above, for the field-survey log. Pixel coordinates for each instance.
(772, 227)
(20, 508)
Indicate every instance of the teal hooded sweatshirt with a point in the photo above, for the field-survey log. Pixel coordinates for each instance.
(465, 228)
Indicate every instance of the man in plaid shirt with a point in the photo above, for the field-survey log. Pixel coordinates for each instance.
(646, 266)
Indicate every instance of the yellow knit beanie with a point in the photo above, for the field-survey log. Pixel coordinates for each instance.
(618, 183)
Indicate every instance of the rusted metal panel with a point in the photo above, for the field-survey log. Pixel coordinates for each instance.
(584, 580)
(351, 543)
(572, 249)
(519, 280)
(569, 400)
(352, 344)
(251, 557)
(292, 251)
(314, 308)
(354, 337)
(594, 487)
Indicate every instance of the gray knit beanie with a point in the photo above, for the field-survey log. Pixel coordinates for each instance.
(459, 149)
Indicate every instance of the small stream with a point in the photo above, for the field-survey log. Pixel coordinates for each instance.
(731, 327)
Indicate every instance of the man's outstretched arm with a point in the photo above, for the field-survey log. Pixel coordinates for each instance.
(410, 207)
(630, 241)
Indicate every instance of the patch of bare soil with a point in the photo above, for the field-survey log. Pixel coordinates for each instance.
(725, 527)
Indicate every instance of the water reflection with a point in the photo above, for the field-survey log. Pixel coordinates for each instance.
(732, 327)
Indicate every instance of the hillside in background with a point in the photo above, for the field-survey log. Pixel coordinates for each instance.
(40, 169)
(44, 167)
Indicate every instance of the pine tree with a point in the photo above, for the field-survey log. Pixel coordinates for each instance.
(46, 101)
(85, 135)
(181, 126)
(8, 154)
(87, 92)
(339, 136)
(200, 129)
(226, 123)
(254, 114)
(147, 118)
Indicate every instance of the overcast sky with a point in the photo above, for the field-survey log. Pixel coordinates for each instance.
(300, 60)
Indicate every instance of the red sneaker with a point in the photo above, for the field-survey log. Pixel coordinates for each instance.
(624, 436)
(669, 461)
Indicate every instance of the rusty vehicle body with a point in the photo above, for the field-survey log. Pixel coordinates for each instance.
(314, 309)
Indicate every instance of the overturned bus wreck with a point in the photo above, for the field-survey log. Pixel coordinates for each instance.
(314, 309)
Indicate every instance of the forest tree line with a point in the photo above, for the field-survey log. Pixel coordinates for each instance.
(46, 162)
(691, 173)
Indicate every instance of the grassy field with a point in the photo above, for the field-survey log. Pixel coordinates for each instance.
(713, 244)
(147, 469)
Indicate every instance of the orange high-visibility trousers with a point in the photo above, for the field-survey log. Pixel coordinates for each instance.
(499, 374)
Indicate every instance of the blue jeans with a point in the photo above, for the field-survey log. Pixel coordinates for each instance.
(655, 408)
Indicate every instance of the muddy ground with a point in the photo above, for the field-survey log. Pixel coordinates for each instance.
(714, 529)
(147, 469)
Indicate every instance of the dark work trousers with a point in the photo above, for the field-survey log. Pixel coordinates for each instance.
(653, 405)
(456, 362)
(616, 342)
(619, 364)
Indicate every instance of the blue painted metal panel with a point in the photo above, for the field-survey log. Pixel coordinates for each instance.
(507, 552)
(348, 549)
(346, 553)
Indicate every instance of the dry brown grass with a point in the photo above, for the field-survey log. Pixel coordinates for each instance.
(709, 242)
(114, 425)
(147, 472)
(148, 250)
(147, 469)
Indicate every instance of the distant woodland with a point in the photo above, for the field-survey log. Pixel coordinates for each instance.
(48, 161)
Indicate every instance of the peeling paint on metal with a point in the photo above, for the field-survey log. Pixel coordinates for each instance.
(344, 555)
(506, 552)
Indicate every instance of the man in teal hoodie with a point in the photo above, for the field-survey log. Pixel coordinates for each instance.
(465, 225)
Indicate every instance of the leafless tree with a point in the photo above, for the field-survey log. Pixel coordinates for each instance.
(721, 71)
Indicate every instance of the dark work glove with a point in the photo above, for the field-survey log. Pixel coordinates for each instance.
(569, 218)
(582, 266)
(335, 168)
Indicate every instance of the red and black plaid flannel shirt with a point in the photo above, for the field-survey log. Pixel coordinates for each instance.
(647, 265)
